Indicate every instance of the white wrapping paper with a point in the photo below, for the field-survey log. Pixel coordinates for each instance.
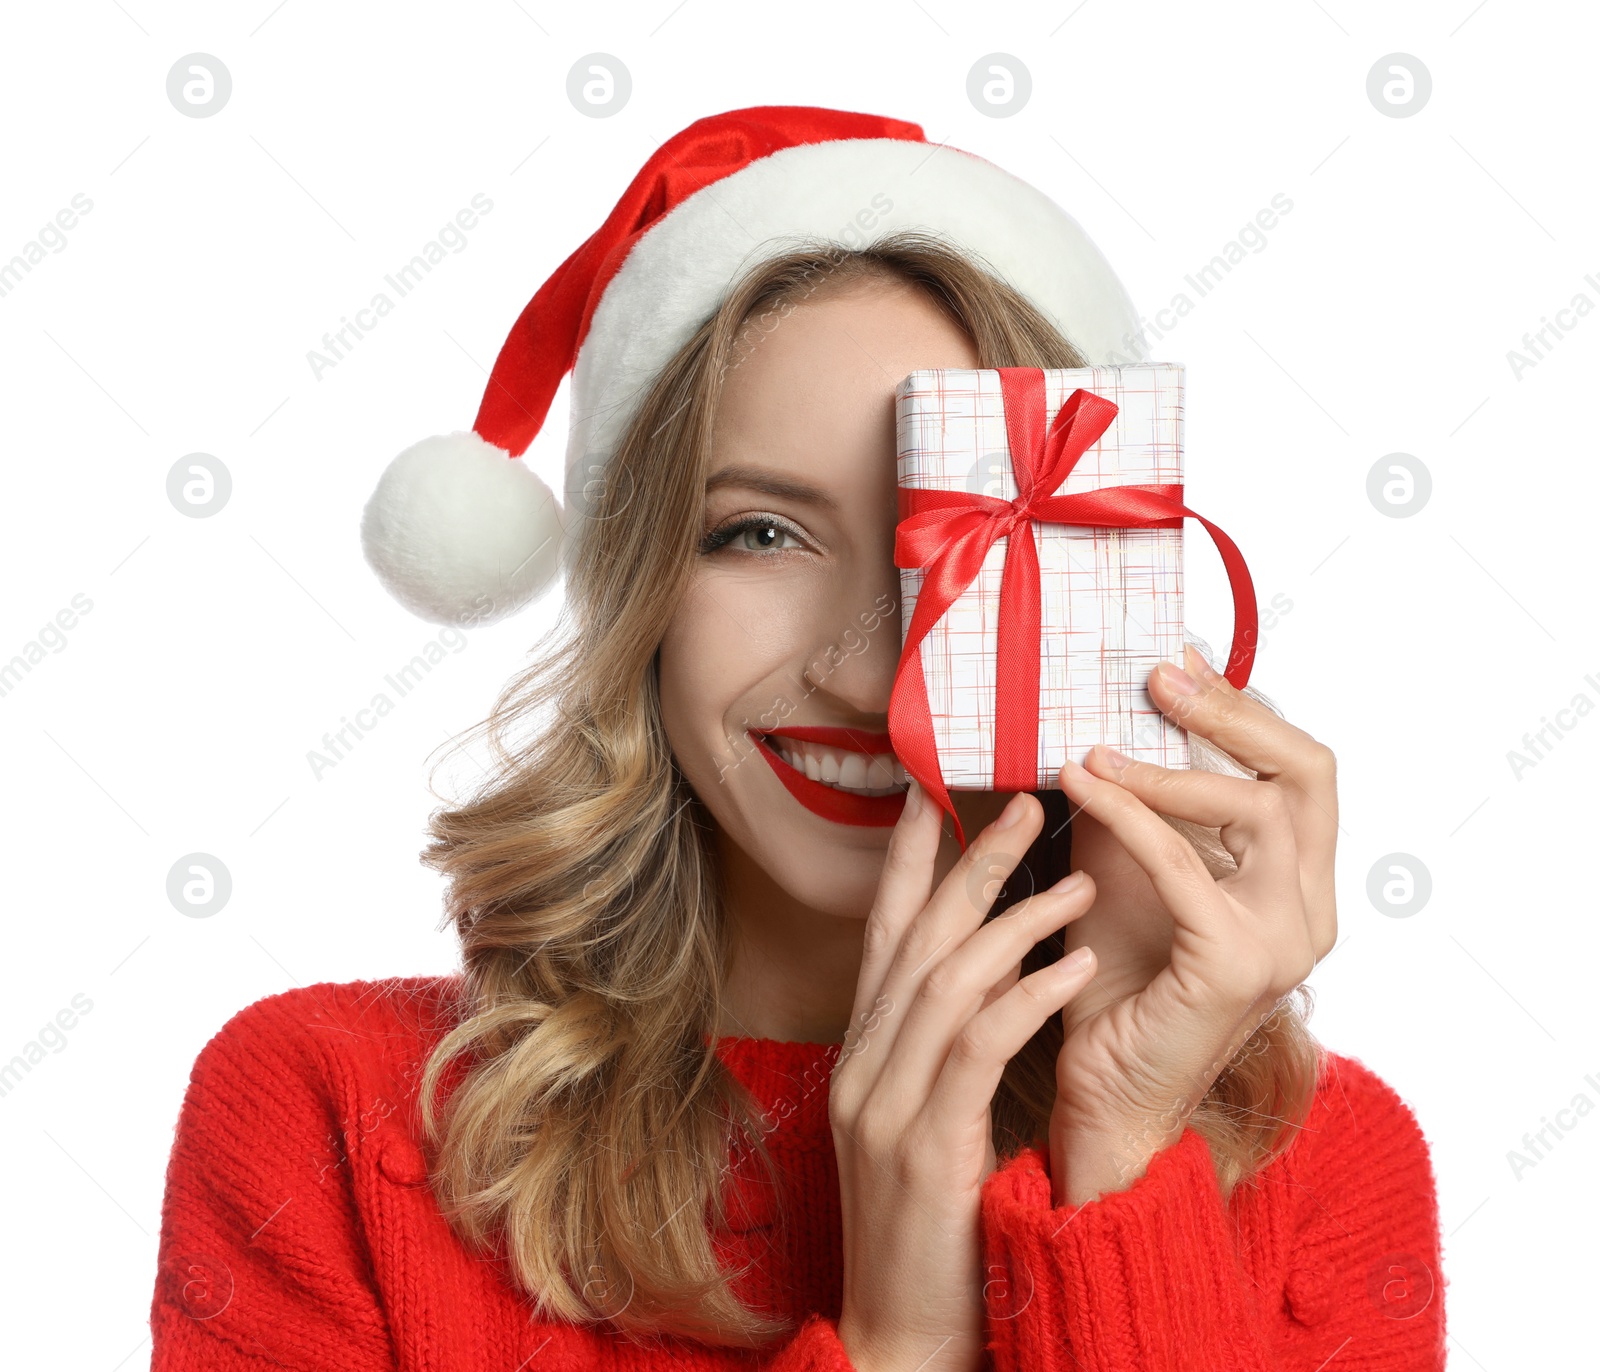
(1111, 600)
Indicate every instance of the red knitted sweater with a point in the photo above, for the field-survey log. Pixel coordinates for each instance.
(298, 1229)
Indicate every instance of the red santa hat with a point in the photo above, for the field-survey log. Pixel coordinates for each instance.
(460, 528)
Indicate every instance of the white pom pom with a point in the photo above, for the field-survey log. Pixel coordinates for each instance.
(458, 531)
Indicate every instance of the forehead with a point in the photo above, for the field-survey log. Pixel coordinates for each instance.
(811, 397)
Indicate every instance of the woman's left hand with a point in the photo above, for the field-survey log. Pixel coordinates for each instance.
(1131, 1072)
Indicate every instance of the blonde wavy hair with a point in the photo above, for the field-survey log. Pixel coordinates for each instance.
(593, 1121)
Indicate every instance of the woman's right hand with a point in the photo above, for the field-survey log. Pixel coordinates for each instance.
(940, 1008)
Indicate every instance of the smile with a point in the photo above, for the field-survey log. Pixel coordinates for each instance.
(829, 771)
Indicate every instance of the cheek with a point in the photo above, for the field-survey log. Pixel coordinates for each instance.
(686, 678)
(707, 664)
(726, 659)
(729, 636)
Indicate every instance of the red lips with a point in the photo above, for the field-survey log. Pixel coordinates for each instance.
(842, 807)
(851, 740)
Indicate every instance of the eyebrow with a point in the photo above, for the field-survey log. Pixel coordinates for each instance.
(770, 483)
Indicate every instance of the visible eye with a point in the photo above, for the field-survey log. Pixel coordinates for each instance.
(768, 528)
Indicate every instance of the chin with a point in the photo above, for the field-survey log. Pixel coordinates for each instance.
(848, 890)
(834, 873)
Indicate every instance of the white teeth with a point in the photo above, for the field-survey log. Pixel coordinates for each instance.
(879, 774)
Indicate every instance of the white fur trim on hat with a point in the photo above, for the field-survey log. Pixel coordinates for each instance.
(849, 191)
(460, 532)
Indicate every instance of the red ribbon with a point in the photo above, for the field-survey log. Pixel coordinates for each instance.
(950, 532)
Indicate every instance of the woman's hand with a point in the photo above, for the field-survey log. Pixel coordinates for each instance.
(940, 1009)
(1131, 1072)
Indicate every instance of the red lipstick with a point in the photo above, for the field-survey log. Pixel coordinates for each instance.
(829, 802)
(851, 740)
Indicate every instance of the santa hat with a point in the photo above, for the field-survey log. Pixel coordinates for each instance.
(459, 528)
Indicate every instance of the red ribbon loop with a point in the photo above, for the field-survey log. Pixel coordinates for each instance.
(949, 533)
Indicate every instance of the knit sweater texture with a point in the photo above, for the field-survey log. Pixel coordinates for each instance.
(298, 1228)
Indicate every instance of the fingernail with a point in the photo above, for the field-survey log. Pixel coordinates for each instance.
(1076, 960)
(1178, 679)
(1111, 755)
(913, 798)
(1204, 668)
(1069, 883)
(1008, 816)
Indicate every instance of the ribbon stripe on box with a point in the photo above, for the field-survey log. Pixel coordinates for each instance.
(986, 621)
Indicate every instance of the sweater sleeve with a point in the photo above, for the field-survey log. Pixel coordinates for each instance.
(1155, 1277)
(261, 1258)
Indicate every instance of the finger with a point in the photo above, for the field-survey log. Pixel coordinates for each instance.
(1012, 977)
(955, 989)
(903, 889)
(1181, 880)
(1275, 750)
(978, 1056)
(956, 908)
(1192, 897)
(1245, 729)
(1252, 817)
(1199, 1034)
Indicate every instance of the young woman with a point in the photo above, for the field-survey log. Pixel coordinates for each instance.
(748, 1063)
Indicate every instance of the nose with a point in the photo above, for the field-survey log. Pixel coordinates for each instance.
(849, 675)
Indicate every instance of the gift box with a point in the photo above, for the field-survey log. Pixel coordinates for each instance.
(1040, 544)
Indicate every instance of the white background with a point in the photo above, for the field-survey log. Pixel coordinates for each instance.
(178, 715)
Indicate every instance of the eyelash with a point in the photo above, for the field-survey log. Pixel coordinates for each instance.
(721, 538)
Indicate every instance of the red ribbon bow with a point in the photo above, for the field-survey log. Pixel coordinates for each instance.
(950, 532)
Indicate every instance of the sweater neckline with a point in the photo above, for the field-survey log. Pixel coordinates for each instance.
(788, 1081)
